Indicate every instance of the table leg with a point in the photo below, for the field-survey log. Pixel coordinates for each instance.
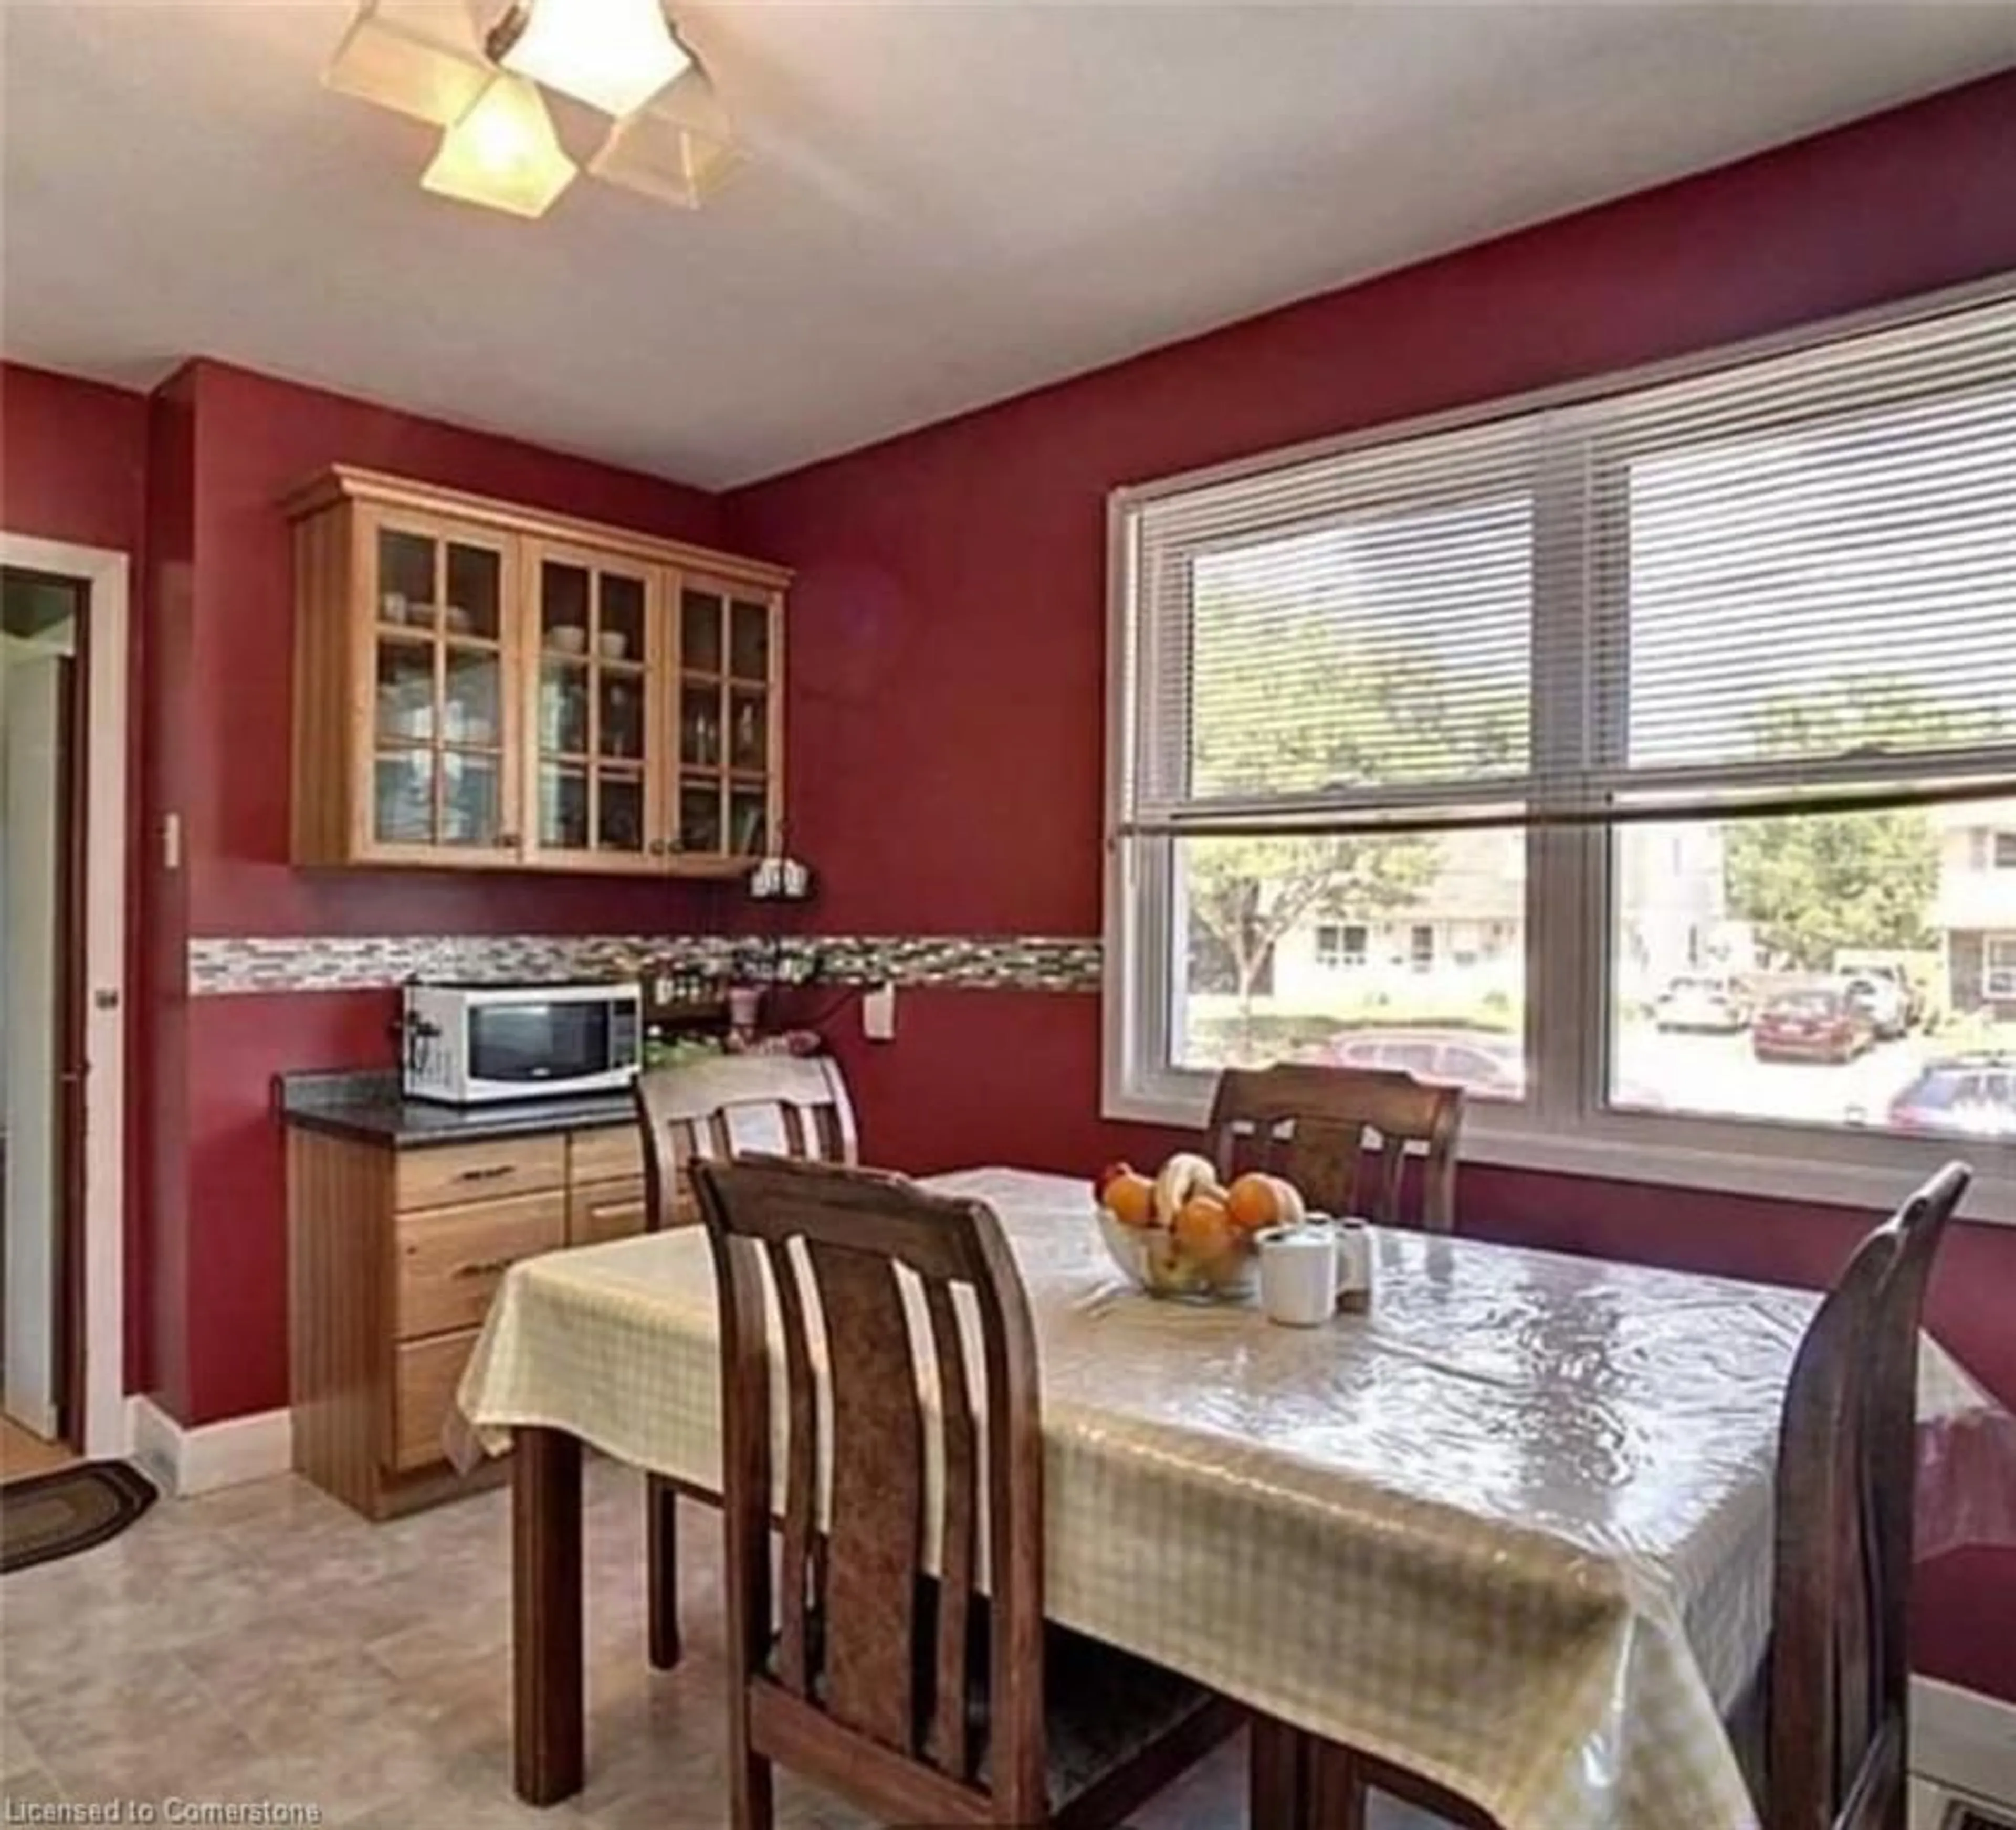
(1337, 1788)
(548, 1722)
(661, 1532)
(1278, 1776)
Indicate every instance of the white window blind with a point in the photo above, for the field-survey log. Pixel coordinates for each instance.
(1789, 582)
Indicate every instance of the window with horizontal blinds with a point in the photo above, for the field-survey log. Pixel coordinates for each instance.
(1781, 583)
(1638, 759)
(1352, 636)
(1806, 576)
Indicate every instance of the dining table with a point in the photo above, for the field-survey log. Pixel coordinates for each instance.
(1510, 1530)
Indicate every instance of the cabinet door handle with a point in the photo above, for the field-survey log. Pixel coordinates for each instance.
(484, 1267)
(496, 1173)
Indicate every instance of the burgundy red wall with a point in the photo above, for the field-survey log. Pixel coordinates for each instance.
(948, 654)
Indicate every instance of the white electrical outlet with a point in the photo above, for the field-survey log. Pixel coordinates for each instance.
(878, 1014)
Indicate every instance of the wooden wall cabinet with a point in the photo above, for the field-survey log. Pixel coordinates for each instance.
(393, 1257)
(482, 686)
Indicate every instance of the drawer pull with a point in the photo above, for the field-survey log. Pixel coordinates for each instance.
(494, 1173)
(484, 1267)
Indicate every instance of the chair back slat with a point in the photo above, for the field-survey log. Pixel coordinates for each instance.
(1316, 1124)
(875, 1538)
(801, 1471)
(879, 1648)
(949, 1743)
(1847, 1461)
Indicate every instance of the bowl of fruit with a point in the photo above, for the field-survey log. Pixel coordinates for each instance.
(1182, 1233)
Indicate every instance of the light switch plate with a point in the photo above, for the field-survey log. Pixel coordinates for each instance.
(878, 1014)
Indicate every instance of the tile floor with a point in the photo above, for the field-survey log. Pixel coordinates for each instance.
(264, 1643)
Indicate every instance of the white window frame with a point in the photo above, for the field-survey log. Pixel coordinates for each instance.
(1563, 1125)
(1998, 980)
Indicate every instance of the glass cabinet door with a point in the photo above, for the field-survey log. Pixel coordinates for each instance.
(596, 730)
(439, 709)
(727, 769)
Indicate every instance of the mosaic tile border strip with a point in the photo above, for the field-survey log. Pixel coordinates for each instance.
(241, 966)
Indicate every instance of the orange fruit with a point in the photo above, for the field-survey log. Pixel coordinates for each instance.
(1204, 1230)
(1253, 1202)
(1129, 1197)
(1256, 1201)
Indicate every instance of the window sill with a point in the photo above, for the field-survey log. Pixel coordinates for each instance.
(1868, 1171)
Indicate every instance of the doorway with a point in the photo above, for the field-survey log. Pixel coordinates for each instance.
(44, 625)
(63, 839)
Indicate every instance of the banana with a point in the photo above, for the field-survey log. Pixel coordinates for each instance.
(1294, 1210)
(1186, 1174)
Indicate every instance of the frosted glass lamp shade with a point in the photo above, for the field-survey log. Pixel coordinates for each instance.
(419, 60)
(680, 150)
(614, 54)
(503, 154)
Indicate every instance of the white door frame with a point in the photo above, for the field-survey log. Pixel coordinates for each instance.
(107, 572)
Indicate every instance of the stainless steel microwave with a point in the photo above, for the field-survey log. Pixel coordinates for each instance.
(466, 1044)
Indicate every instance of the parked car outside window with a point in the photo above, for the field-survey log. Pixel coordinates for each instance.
(1703, 1001)
(1815, 1024)
(1972, 1096)
(1881, 999)
(1484, 1063)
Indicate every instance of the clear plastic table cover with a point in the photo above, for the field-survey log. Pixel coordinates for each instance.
(1511, 1530)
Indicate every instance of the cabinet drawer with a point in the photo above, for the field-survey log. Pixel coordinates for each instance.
(613, 1154)
(455, 1173)
(605, 1210)
(425, 1375)
(450, 1263)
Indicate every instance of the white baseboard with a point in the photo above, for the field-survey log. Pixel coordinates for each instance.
(185, 1461)
(1965, 1742)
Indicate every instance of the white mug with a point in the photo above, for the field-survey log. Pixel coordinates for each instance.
(1299, 1274)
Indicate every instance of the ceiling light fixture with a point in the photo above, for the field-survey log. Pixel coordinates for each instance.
(503, 152)
(680, 150)
(425, 62)
(614, 54)
(455, 65)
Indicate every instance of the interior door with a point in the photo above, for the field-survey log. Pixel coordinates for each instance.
(37, 691)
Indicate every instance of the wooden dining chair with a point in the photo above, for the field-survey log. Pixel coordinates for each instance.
(941, 1698)
(781, 1105)
(1317, 1126)
(1839, 1684)
(792, 1105)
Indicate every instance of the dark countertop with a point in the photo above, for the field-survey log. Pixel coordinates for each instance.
(367, 1106)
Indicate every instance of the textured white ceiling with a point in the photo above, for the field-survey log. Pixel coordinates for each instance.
(951, 202)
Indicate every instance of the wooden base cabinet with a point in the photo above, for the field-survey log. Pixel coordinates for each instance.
(393, 1257)
(480, 685)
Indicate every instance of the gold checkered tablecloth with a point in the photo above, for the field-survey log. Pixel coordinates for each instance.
(1511, 1531)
